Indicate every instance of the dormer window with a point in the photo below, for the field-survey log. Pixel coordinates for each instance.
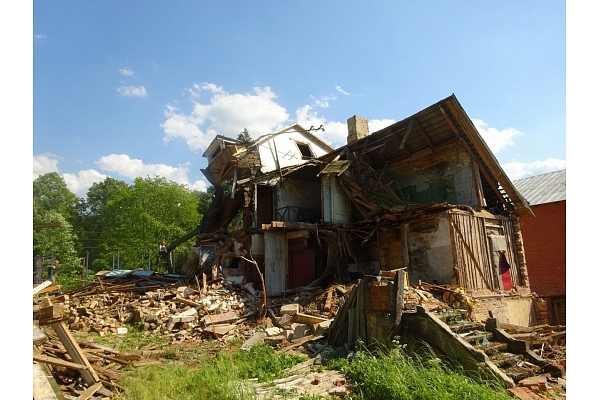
(216, 153)
(305, 150)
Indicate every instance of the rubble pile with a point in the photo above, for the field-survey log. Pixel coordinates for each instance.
(221, 311)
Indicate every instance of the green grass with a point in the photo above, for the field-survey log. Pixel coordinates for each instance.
(394, 375)
(220, 377)
(135, 339)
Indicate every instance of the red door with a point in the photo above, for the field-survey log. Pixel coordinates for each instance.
(302, 268)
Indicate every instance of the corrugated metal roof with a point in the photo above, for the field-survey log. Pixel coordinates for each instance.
(545, 188)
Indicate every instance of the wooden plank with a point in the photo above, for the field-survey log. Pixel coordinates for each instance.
(52, 311)
(58, 362)
(75, 352)
(89, 392)
(41, 286)
(49, 289)
(469, 251)
(308, 319)
(327, 306)
(98, 347)
(44, 386)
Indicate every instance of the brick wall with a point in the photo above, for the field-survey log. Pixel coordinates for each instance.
(544, 238)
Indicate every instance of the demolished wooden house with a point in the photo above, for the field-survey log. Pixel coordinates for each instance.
(425, 195)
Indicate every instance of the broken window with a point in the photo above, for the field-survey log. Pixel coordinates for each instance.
(215, 153)
(305, 150)
(206, 254)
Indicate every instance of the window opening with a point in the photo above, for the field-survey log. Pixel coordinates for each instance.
(305, 150)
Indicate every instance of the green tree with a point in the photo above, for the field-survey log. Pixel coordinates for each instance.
(59, 242)
(138, 218)
(93, 216)
(50, 192)
(244, 136)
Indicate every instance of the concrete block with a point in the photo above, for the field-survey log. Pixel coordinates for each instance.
(184, 292)
(257, 338)
(321, 327)
(301, 330)
(290, 309)
(274, 331)
(285, 319)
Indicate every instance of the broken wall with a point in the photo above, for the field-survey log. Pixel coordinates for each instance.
(511, 309)
(336, 203)
(281, 150)
(298, 201)
(445, 176)
(430, 252)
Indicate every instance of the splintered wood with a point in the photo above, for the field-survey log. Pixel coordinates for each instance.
(187, 315)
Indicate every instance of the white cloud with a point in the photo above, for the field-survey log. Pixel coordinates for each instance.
(127, 71)
(132, 91)
(199, 185)
(224, 114)
(44, 164)
(378, 124)
(518, 170)
(38, 36)
(342, 91)
(133, 168)
(323, 101)
(81, 182)
(495, 139)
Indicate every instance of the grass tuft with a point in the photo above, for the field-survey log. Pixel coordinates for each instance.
(395, 375)
(221, 377)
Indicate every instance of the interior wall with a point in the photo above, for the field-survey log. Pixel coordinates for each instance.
(301, 194)
(430, 251)
(446, 176)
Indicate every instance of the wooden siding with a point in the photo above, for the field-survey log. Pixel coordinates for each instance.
(473, 259)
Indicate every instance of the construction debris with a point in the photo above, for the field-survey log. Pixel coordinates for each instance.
(223, 311)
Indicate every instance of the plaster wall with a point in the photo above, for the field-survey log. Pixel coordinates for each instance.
(430, 253)
(287, 151)
(336, 203)
(298, 194)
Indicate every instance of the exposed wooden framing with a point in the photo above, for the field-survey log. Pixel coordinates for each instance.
(422, 132)
(364, 149)
(478, 187)
(469, 251)
(518, 201)
(493, 184)
(408, 130)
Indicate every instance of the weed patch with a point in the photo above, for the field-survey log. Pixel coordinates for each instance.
(395, 375)
(222, 377)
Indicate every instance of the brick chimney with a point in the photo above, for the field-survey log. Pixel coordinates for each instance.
(358, 128)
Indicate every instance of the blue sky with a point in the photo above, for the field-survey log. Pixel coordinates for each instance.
(136, 88)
